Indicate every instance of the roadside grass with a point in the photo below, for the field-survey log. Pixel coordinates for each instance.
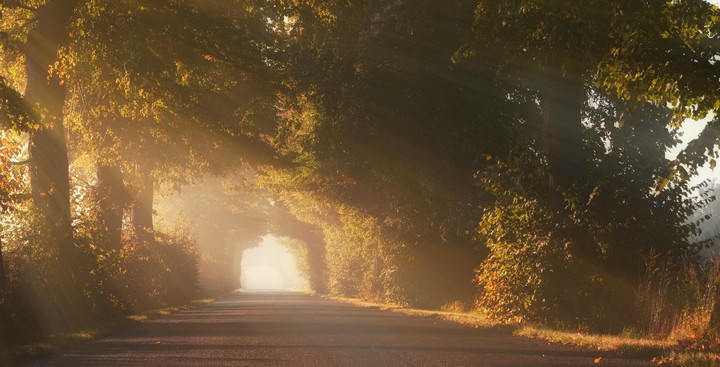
(603, 342)
(472, 319)
(694, 359)
(660, 351)
(162, 312)
(14, 354)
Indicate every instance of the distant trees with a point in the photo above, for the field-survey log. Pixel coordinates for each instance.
(227, 215)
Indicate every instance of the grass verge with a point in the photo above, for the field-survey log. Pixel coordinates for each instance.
(614, 343)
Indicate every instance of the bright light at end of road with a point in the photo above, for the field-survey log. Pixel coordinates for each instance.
(269, 266)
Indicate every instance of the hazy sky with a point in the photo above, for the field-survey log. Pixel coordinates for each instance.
(690, 130)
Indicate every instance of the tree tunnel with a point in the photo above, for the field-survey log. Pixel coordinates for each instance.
(244, 239)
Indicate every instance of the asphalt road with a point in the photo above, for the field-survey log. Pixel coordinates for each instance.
(289, 329)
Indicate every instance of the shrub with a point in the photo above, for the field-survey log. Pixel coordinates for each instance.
(149, 274)
(46, 283)
(575, 259)
(53, 289)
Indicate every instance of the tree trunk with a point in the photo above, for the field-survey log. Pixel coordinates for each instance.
(66, 306)
(49, 172)
(562, 102)
(142, 211)
(111, 203)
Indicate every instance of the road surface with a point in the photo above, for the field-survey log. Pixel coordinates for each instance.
(291, 329)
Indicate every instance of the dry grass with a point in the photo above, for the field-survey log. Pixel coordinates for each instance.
(472, 319)
(204, 301)
(694, 359)
(455, 307)
(597, 341)
(156, 313)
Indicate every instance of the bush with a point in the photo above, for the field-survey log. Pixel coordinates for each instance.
(52, 289)
(513, 280)
(46, 282)
(146, 274)
(576, 259)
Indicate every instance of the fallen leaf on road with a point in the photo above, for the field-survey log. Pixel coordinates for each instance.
(598, 360)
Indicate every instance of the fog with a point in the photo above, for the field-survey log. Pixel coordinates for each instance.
(224, 217)
(270, 266)
(706, 218)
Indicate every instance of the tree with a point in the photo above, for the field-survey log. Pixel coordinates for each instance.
(45, 93)
(600, 71)
(11, 196)
(644, 51)
(163, 99)
(580, 265)
(386, 135)
(39, 41)
(185, 102)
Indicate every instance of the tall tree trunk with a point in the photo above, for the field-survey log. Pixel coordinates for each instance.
(66, 306)
(562, 102)
(49, 172)
(111, 201)
(142, 211)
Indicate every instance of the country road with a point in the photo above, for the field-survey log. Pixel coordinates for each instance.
(291, 329)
